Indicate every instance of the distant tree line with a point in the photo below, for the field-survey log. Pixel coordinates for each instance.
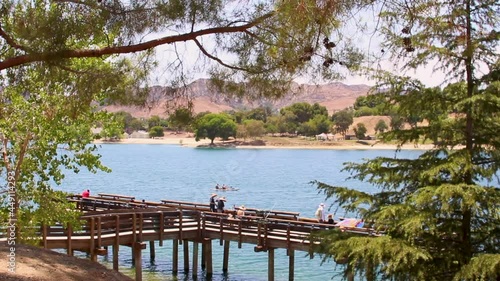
(300, 118)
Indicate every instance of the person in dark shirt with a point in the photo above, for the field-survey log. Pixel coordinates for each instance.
(212, 203)
(220, 205)
(330, 219)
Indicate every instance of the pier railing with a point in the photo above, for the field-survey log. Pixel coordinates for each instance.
(132, 225)
(122, 221)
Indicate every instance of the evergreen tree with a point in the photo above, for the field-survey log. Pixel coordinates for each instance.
(440, 212)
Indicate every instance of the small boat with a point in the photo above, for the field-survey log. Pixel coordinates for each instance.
(225, 188)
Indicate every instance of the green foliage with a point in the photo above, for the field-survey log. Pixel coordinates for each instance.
(128, 122)
(154, 121)
(439, 212)
(306, 129)
(125, 118)
(254, 128)
(47, 116)
(397, 122)
(317, 125)
(360, 131)
(381, 126)
(241, 132)
(484, 267)
(181, 118)
(276, 124)
(321, 123)
(113, 129)
(260, 113)
(156, 131)
(214, 125)
(370, 101)
(304, 111)
(136, 125)
(366, 111)
(269, 42)
(342, 120)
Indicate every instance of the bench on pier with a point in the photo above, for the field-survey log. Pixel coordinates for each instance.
(274, 214)
(115, 196)
(186, 205)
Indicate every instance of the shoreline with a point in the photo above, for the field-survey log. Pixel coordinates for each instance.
(205, 143)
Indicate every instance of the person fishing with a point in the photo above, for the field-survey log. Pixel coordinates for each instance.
(220, 205)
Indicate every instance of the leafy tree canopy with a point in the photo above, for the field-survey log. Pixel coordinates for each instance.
(342, 120)
(381, 126)
(214, 125)
(181, 118)
(156, 131)
(46, 123)
(360, 131)
(304, 111)
(254, 128)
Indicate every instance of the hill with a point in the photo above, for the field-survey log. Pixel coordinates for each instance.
(334, 96)
(370, 123)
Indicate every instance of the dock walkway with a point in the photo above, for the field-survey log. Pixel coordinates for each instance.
(120, 220)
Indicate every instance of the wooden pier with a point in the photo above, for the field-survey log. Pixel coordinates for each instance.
(119, 220)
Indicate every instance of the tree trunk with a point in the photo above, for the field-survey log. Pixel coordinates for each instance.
(466, 217)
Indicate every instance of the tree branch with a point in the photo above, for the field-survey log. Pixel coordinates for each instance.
(5, 143)
(21, 155)
(87, 53)
(202, 49)
(11, 41)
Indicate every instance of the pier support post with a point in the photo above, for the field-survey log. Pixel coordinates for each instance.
(133, 255)
(93, 254)
(291, 264)
(270, 264)
(225, 261)
(175, 256)
(208, 258)
(69, 230)
(152, 253)
(195, 260)
(203, 256)
(115, 257)
(116, 244)
(186, 255)
(138, 246)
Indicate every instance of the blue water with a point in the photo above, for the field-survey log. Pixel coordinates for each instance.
(267, 178)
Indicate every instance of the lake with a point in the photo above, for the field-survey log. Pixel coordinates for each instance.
(266, 178)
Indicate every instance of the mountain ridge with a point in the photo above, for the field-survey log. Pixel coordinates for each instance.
(334, 96)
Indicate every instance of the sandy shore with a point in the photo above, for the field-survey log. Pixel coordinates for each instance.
(189, 141)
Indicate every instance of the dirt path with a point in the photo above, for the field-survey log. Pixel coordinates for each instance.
(36, 264)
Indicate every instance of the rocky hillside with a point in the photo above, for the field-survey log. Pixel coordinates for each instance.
(334, 96)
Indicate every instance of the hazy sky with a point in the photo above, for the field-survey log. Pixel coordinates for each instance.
(364, 40)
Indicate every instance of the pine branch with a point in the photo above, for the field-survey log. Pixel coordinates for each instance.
(88, 53)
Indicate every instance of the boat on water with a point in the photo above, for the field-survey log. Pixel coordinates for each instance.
(225, 188)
